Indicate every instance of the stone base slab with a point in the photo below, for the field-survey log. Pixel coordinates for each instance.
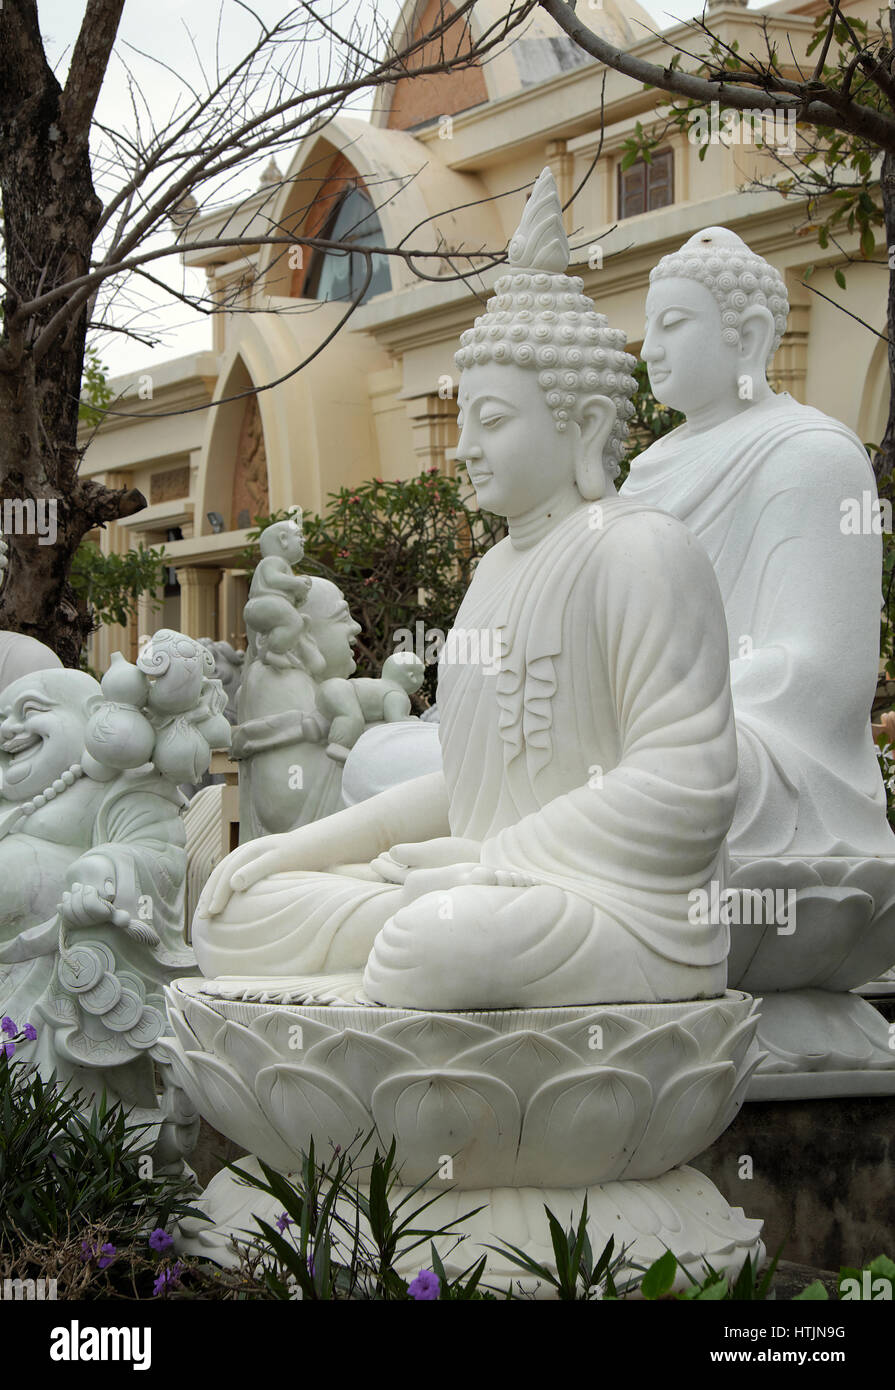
(682, 1211)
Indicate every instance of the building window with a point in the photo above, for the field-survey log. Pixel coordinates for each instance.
(645, 187)
(340, 275)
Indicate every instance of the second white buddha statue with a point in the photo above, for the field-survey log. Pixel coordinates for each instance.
(763, 483)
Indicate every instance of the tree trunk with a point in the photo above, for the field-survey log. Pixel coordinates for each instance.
(50, 212)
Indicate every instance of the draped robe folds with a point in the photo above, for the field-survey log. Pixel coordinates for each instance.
(763, 493)
(135, 822)
(600, 762)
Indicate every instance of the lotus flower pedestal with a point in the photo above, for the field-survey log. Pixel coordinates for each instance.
(821, 1038)
(517, 1108)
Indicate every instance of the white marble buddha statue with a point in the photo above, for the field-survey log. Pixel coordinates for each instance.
(589, 783)
(761, 481)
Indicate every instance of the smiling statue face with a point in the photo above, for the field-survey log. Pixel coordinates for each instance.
(332, 628)
(689, 364)
(516, 457)
(42, 728)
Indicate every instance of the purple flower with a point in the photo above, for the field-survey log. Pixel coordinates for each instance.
(311, 1268)
(425, 1287)
(103, 1254)
(8, 1048)
(282, 1222)
(160, 1240)
(167, 1279)
(30, 1032)
(8, 1026)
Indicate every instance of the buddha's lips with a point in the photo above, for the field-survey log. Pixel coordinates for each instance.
(659, 373)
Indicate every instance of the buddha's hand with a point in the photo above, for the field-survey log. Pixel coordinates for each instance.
(400, 860)
(441, 880)
(307, 848)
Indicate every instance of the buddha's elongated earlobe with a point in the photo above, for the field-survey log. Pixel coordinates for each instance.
(596, 422)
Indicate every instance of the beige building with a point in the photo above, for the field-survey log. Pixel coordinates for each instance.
(442, 165)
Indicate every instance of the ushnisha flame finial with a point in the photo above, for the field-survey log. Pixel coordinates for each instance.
(540, 242)
(540, 318)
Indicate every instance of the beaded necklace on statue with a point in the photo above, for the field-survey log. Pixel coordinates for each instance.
(56, 788)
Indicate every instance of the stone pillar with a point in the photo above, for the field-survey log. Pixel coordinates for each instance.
(434, 425)
(790, 365)
(563, 165)
(149, 613)
(113, 637)
(199, 600)
(232, 597)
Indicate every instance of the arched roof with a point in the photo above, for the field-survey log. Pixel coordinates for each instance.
(537, 51)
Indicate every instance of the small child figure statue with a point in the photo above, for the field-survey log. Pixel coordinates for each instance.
(354, 704)
(276, 594)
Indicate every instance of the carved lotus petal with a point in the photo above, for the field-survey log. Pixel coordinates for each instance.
(582, 1128)
(229, 1106)
(204, 1021)
(243, 1049)
(598, 1036)
(710, 1026)
(359, 1060)
(744, 1076)
(686, 1118)
(798, 1022)
(829, 925)
(435, 1039)
(465, 1116)
(277, 1028)
(302, 1103)
(524, 1060)
(182, 1030)
(735, 1046)
(661, 1053)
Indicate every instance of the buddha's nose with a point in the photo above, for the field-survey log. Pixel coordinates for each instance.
(9, 727)
(651, 351)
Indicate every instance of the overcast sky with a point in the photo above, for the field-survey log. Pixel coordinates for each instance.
(182, 34)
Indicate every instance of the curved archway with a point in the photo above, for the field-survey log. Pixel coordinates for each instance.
(410, 187)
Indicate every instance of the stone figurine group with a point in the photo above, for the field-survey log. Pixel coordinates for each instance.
(519, 961)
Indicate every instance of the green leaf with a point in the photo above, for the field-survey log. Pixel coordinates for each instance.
(815, 1292)
(839, 277)
(658, 1279)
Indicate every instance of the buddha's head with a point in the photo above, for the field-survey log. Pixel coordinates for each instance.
(43, 722)
(284, 540)
(331, 629)
(545, 385)
(715, 315)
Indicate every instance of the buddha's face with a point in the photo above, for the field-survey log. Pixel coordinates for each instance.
(40, 736)
(690, 367)
(334, 633)
(516, 457)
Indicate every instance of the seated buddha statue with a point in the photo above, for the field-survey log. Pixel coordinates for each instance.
(589, 782)
(764, 484)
